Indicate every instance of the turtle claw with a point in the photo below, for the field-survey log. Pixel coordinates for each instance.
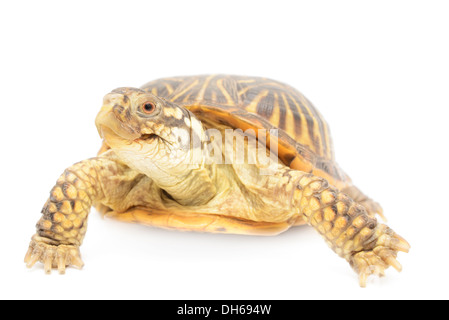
(61, 264)
(77, 262)
(367, 263)
(52, 256)
(48, 262)
(394, 263)
(382, 216)
(362, 279)
(381, 257)
(31, 258)
(393, 240)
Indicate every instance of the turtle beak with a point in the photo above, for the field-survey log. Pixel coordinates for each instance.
(108, 124)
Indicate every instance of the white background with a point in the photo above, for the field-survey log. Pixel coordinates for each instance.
(377, 70)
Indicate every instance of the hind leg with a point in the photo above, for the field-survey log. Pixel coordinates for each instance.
(371, 206)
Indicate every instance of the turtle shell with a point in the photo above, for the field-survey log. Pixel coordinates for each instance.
(304, 141)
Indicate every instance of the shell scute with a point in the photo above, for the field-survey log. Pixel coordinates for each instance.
(304, 141)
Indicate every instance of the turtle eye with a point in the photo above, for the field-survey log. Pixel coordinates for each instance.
(148, 107)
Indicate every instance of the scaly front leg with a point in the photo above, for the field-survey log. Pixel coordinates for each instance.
(349, 230)
(61, 229)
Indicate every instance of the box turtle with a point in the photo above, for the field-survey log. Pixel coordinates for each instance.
(214, 153)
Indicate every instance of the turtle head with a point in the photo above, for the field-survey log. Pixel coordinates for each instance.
(148, 133)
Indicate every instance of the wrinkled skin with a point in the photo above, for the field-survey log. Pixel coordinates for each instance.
(156, 174)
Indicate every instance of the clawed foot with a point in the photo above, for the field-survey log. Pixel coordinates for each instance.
(52, 256)
(381, 257)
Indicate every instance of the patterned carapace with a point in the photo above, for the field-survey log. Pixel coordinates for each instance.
(260, 103)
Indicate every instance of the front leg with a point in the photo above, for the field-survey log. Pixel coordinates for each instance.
(63, 224)
(347, 227)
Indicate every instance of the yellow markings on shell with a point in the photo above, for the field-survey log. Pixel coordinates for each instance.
(244, 90)
(305, 137)
(289, 118)
(187, 97)
(316, 125)
(246, 81)
(179, 94)
(169, 88)
(226, 94)
(274, 84)
(327, 137)
(200, 95)
(275, 116)
(252, 106)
